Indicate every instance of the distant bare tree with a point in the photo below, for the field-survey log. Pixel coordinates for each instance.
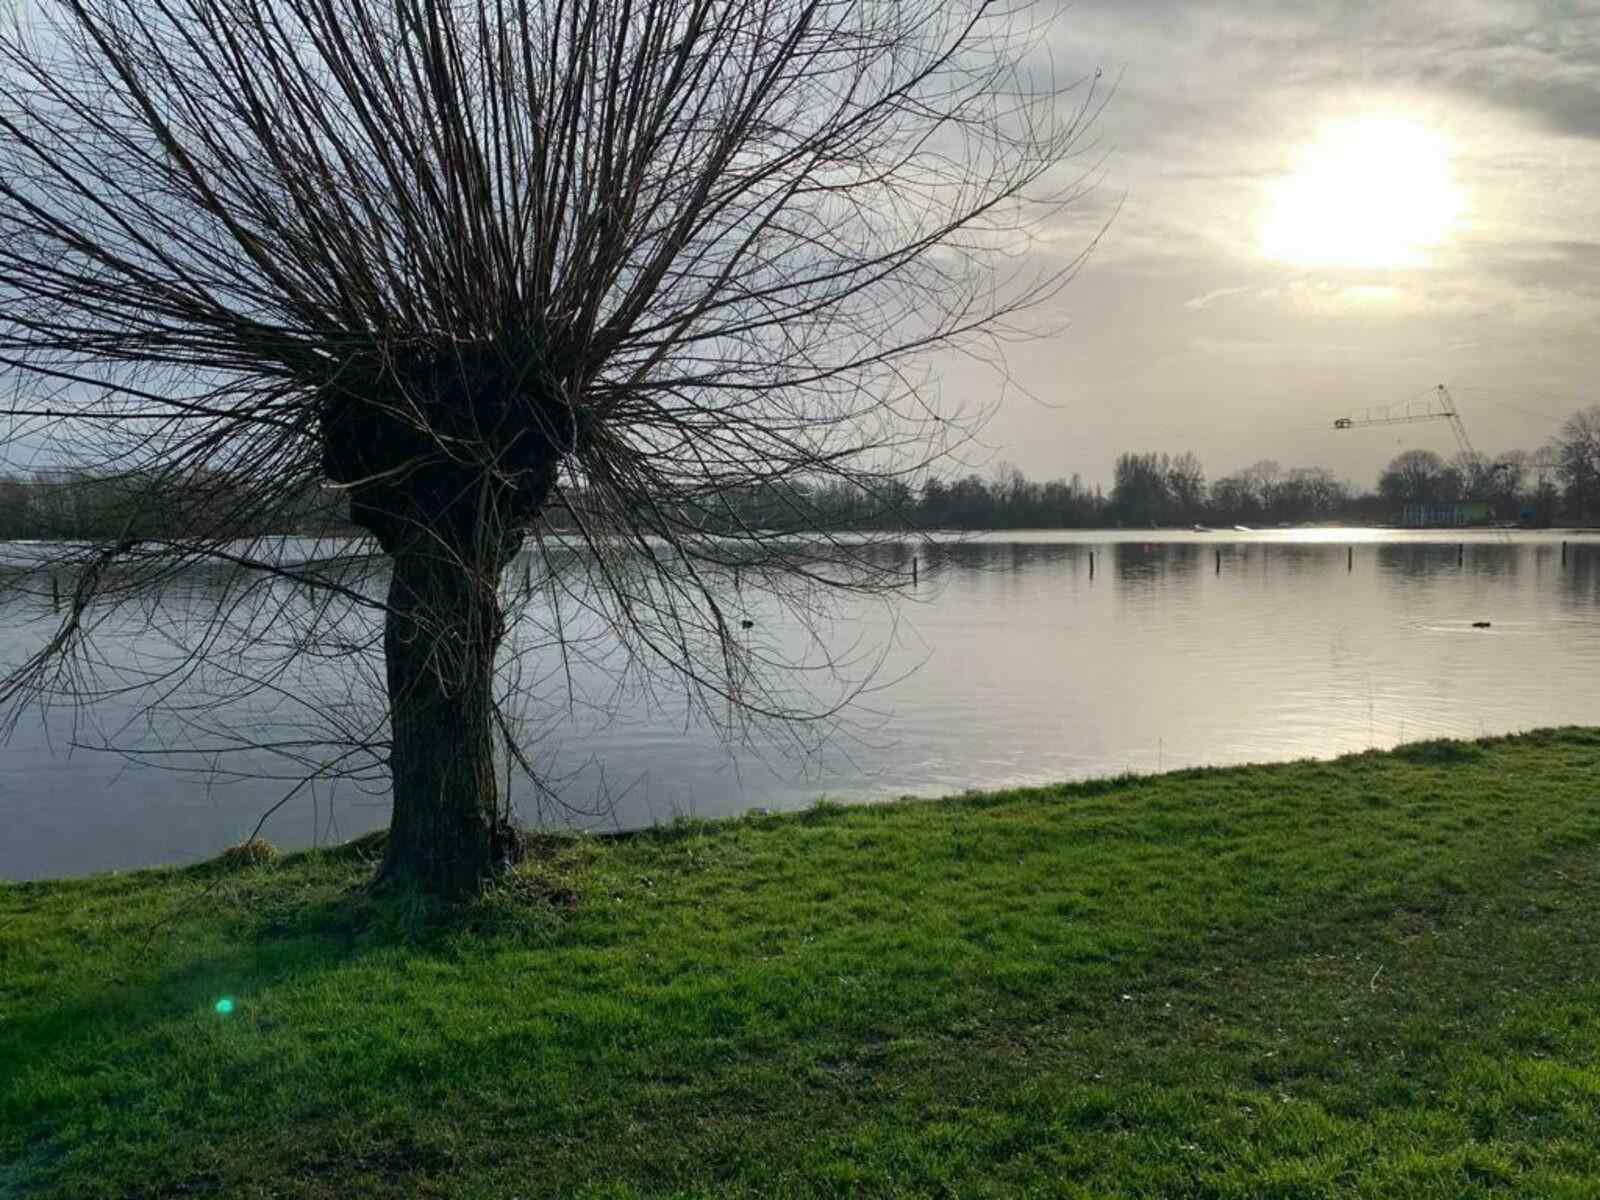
(1577, 449)
(1413, 476)
(1504, 486)
(478, 262)
(1186, 485)
(14, 509)
(1476, 471)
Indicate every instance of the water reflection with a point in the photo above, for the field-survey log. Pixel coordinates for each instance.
(1012, 662)
(1140, 566)
(1582, 572)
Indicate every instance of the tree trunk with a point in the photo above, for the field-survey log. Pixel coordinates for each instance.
(443, 627)
(449, 452)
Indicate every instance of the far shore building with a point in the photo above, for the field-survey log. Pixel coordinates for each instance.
(1430, 514)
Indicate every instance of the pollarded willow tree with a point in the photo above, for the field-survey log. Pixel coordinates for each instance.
(473, 262)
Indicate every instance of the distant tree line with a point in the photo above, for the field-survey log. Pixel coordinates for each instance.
(70, 505)
(1559, 482)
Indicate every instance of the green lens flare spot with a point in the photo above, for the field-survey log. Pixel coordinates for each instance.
(224, 1006)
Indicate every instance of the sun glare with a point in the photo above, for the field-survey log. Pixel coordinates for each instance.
(1374, 192)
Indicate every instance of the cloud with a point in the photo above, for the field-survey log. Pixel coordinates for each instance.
(1227, 68)
(1179, 328)
(1570, 266)
(1198, 302)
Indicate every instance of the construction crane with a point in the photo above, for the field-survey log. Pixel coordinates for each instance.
(1437, 406)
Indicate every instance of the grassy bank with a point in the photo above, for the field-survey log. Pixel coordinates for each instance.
(1373, 977)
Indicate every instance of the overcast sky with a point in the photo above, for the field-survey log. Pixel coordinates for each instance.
(1319, 208)
(1323, 208)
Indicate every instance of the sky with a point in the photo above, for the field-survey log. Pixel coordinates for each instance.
(1318, 209)
(1314, 209)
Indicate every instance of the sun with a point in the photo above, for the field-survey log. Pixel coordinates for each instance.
(1369, 192)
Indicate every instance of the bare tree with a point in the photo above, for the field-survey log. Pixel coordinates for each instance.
(1577, 447)
(1186, 485)
(14, 508)
(1413, 476)
(481, 262)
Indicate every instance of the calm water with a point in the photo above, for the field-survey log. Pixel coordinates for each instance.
(1011, 664)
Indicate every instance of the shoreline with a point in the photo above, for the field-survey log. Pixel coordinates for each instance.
(369, 844)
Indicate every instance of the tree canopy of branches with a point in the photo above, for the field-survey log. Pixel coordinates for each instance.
(1413, 476)
(1151, 488)
(475, 261)
(1577, 457)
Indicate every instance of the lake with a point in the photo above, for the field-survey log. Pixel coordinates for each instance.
(1013, 662)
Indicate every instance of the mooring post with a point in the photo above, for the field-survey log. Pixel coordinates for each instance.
(913, 570)
(1461, 552)
(1563, 552)
(1219, 560)
(1091, 564)
(1349, 558)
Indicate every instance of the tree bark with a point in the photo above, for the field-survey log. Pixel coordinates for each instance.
(448, 834)
(446, 468)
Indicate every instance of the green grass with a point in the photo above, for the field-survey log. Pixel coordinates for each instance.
(1373, 977)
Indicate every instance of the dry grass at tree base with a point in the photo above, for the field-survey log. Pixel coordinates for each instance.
(254, 851)
(1371, 977)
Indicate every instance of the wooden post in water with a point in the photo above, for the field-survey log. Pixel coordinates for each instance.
(55, 587)
(1091, 564)
(1219, 560)
(913, 570)
(1349, 558)
(1461, 552)
(1563, 552)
